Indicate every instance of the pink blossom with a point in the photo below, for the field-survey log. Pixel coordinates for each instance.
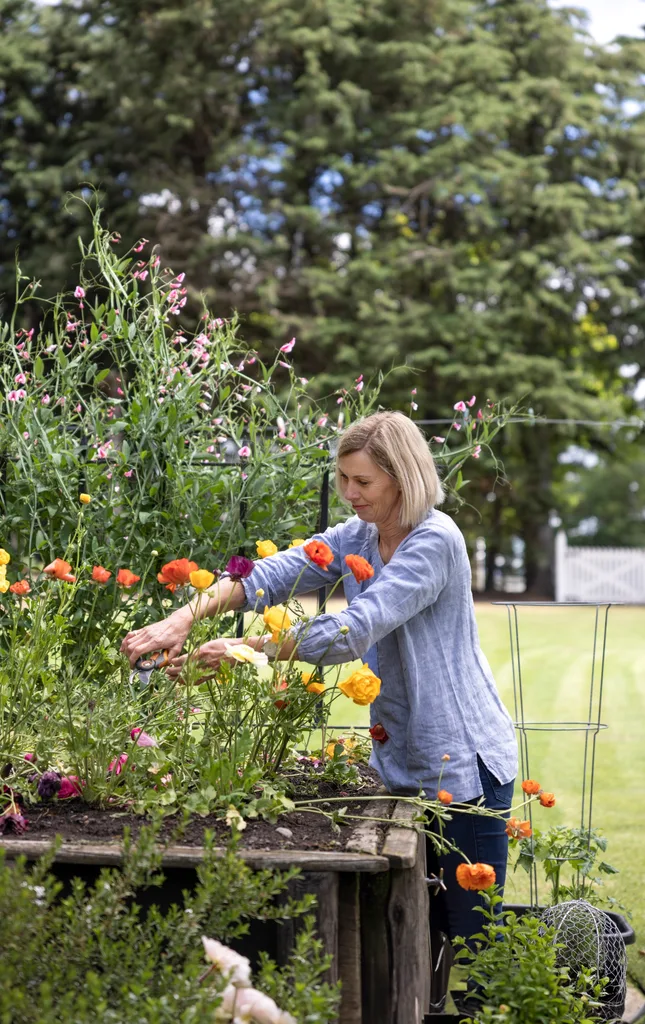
(20, 378)
(26, 435)
(414, 391)
(304, 381)
(414, 406)
(456, 426)
(79, 407)
(108, 476)
(70, 785)
(245, 476)
(471, 401)
(155, 263)
(480, 414)
(322, 421)
(139, 246)
(180, 278)
(360, 385)
(240, 367)
(165, 780)
(61, 400)
(117, 764)
(287, 448)
(45, 400)
(79, 293)
(128, 473)
(246, 387)
(339, 401)
(439, 440)
(103, 449)
(29, 757)
(17, 396)
(244, 451)
(71, 325)
(143, 739)
(52, 348)
(120, 391)
(287, 366)
(477, 451)
(104, 336)
(288, 347)
(218, 420)
(251, 361)
(459, 406)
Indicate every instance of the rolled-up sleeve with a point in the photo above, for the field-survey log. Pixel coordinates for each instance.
(291, 572)
(413, 579)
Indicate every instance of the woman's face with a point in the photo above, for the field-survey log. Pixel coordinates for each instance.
(373, 494)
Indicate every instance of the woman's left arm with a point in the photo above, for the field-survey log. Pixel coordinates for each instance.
(417, 573)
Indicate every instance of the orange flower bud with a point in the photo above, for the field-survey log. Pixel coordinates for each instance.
(360, 567)
(531, 787)
(547, 799)
(444, 797)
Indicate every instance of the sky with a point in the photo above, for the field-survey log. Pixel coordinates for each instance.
(610, 18)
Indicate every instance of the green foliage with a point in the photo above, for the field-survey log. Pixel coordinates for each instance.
(569, 858)
(603, 504)
(93, 954)
(516, 976)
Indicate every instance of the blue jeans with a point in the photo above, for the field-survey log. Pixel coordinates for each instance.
(481, 840)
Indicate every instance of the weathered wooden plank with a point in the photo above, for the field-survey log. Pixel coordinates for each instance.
(410, 939)
(376, 988)
(349, 949)
(365, 837)
(401, 844)
(324, 885)
(190, 856)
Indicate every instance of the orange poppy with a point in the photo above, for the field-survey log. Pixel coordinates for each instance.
(444, 797)
(547, 799)
(360, 567)
(475, 876)
(126, 578)
(20, 587)
(60, 570)
(100, 575)
(176, 573)
(517, 829)
(531, 787)
(319, 553)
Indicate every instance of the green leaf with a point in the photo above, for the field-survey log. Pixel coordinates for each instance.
(39, 367)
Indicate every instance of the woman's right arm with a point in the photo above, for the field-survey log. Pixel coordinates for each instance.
(170, 634)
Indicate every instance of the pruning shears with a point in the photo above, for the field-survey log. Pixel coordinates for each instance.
(144, 667)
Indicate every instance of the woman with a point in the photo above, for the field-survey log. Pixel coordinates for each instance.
(414, 624)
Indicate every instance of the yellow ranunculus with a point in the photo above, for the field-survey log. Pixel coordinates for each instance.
(298, 542)
(85, 498)
(312, 687)
(362, 686)
(4, 586)
(266, 548)
(5, 557)
(277, 619)
(3, 572)
(347, 744)
(200, 579)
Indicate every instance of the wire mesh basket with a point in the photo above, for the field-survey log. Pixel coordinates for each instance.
(589, 939)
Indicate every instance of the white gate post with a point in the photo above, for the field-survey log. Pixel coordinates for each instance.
(560, 565)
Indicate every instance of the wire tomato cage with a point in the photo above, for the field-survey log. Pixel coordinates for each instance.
(590, 728)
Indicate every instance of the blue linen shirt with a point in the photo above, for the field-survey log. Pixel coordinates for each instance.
(414, 624)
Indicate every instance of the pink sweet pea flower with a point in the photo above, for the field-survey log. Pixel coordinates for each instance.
(244, 451)
(20, 378)
(142, 738)
(45, 400)
(471, 401)
(477, 451)
(139, 246)
(456, 426)
(288, 347)
(360, 385)
(117, 764)
(17, 396)
(480, 414)
(322, 421)
(439, 440)
(79, 293)
(70, 785)
(459, 406)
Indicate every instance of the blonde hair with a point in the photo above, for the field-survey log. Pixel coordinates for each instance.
(398, 447)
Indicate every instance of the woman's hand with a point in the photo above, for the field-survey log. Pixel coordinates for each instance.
(170, 634)
(209, 656)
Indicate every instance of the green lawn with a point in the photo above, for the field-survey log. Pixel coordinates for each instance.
(556, 661)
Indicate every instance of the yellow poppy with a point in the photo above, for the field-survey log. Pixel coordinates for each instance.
(85, 498)
(5, 557)
(277, 619)
(362, 686)
(201, 579)
(266, 548)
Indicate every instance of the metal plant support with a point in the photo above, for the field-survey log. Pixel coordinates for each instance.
(591, 727)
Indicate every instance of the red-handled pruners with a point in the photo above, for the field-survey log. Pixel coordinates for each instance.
(144, 667)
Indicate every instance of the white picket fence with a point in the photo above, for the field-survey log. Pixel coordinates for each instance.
(599, 574)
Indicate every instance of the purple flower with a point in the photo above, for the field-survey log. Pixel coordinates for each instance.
(49, 785)
(239, 567)
(13, 821)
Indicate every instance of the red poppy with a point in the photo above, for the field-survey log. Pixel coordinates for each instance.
(100, 575)
(60, 570)
(125, 578)
(20, 587)
(360, 567)
(280, 704)
(378, 733)
(319, 553)
(176, 573)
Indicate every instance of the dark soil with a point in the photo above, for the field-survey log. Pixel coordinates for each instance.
(77, 822)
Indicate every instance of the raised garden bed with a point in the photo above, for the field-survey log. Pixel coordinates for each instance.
(372, 912)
